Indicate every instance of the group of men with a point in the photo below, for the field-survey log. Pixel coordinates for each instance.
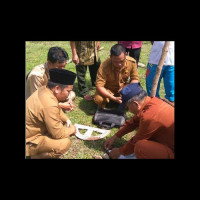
(49, 92)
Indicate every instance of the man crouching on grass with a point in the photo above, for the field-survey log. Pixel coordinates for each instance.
(154, 120)
(47, 127)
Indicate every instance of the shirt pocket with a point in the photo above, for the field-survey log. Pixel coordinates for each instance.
(126, 77)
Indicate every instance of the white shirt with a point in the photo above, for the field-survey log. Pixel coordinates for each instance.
(156, 52)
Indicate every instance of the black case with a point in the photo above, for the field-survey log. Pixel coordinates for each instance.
(109, 118)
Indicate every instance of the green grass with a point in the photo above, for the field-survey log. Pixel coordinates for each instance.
(36, 53)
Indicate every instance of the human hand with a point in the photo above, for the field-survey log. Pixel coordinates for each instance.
(75, 59)
(67, 106)
(118, 100)
(114, 153)
(98, 45)
(68, 123)
(73, 129)
(108, 143)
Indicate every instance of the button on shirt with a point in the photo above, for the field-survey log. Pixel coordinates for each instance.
(113, 80)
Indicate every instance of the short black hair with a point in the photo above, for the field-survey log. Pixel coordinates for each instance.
(117, 49)
(57, 54)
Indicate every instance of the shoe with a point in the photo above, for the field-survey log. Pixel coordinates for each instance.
(141, 65)
(88, 97)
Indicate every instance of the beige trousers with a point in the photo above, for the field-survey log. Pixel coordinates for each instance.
(51, 148)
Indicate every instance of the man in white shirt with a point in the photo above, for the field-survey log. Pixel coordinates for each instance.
(167, 72)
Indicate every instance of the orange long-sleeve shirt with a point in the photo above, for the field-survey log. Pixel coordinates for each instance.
(155, 121)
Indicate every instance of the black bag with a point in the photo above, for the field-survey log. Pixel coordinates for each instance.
(109, 118)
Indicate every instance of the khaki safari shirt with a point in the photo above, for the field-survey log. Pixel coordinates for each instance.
(44, 117)
(155, 122)
(109, 78)
(86, 51)
(36, 78)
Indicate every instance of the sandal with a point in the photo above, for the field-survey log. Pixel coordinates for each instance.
(88, 97)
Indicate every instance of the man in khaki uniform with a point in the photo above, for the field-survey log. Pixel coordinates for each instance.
(85, 53)
(114, 74)
(47, 127)
(39, 75)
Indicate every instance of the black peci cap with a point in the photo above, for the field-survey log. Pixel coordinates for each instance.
(62, 76)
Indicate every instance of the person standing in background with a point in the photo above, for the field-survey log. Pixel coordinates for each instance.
(85, 53)
(167, 72)
(133, 48)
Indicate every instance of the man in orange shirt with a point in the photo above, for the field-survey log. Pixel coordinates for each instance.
(154, 120)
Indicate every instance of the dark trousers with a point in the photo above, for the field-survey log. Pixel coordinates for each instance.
(81, 73)
(134, 53)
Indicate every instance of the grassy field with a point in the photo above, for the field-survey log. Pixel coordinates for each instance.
(36, 53)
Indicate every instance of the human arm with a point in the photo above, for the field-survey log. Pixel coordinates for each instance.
(134, 76)
(56, 123)
(66, 121)
(114, 153)
(102, 91)
(67, 106)
(108, 143)
(127, 127)
(103, 78)
(98, 45)
(147, 127)
(134, 81)
(75, 57)
(69, 124)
